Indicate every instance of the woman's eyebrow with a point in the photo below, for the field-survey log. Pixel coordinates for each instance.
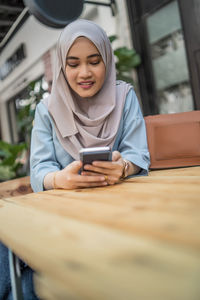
(93, 55)
(72, 57)
(89, 56)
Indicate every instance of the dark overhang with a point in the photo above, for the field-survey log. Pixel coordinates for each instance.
(12, 16)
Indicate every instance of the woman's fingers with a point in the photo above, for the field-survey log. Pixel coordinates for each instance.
(97, 170)
(90, 178)
(92, 184)
(100, 167)
(113, 168)
(74, 167)
(103, 164)
(100, 173)
(108, 178)
(69, 178)
(106, 167)
(88, 173)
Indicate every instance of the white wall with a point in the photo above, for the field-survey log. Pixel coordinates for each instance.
(39, 38)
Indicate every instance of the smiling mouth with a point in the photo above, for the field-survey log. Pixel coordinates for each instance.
(86, 84)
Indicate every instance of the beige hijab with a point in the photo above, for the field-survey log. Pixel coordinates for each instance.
(81, 122)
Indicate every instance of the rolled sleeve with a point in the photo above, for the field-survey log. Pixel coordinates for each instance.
(133, 142)
(42, 159)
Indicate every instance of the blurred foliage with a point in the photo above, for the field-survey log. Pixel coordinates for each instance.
(126, 61)
(26, 113)
(10, 160)
(13, 157)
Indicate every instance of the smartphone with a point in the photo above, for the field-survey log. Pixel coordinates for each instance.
(88, 155)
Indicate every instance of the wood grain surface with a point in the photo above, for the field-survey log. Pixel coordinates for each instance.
(15, 187)
(139, 239)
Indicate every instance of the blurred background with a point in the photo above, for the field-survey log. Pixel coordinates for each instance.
(157, 49)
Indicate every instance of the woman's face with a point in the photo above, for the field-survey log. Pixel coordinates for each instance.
(85, 69)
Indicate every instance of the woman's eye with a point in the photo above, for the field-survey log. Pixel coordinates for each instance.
(72, 65)
(95, 62)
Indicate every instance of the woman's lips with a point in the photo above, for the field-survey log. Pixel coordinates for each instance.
(86, 84)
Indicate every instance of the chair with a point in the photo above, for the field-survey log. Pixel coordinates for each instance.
(11, 188)
(174, 139)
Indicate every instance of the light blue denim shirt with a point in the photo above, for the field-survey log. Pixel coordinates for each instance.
(48, 155)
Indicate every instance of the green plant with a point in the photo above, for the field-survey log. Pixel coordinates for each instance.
(26, 112)
(11, 155)
(126, 61)
(10, 160)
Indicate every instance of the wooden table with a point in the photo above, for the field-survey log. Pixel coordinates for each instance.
(136, 240)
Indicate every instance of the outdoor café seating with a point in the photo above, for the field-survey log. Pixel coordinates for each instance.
(139, 238)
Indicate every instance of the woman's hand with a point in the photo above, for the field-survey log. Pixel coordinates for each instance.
(112, 171)
(69, 178)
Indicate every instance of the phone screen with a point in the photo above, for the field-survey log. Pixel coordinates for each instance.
(88, 155)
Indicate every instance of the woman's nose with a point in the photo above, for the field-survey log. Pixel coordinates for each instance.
(85, 71)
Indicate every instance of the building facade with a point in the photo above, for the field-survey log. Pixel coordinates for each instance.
(166, 33)
(29, 56)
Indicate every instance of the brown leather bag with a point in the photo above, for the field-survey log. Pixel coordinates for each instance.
(174, 139)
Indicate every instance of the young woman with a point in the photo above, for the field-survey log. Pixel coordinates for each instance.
(87, 108)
